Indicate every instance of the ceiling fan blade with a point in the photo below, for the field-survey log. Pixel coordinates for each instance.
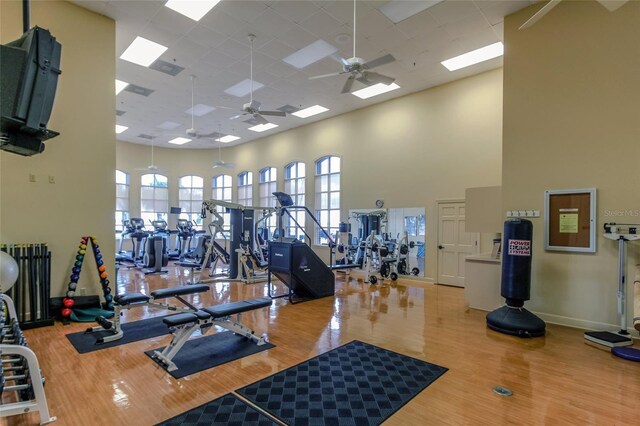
(254, 104)
(274, 113)
(539, 14)
(224, 107)
(260, 119)
(347, 85)
(382, 60)
(374, 77)
(315, 77)
(339, 58)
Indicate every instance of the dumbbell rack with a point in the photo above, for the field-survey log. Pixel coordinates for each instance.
(19, 369)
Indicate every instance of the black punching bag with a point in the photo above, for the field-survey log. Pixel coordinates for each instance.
(516, 283)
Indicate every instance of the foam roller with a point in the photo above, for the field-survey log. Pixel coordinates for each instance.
(636, 299)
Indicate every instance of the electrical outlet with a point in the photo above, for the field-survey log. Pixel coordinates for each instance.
(32, 177)
(52, 179)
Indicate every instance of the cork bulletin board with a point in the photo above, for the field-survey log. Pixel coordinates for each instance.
(570, 220)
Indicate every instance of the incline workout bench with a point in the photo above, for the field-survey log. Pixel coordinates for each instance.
(132, 300)
(185, 324)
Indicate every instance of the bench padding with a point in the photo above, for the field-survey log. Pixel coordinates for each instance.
(232, 308)
(129, 298)
(179, 291)
(185, 318)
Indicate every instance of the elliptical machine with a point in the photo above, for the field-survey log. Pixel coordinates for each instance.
(155, 256)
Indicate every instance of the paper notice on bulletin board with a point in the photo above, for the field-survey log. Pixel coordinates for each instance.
(569, 223)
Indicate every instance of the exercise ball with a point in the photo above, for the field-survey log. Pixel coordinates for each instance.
(8, 271)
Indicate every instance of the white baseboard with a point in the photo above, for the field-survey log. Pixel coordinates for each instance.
(583, 324)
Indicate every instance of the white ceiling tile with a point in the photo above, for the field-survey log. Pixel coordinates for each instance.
(512, 4)
(372, 23)
(271, 24)
(233, 49)
(159, 34)
(280, 69)
(296, 11)
(206, 36)
(418, 25)
(223, 23)
(434, 39)
(388, 39)
(474, 23)
(243, 10)
(184, 53)
(321, 24)
(481, 38)
(499, 10)
(140, 9)
(297, 38)
(451, 11)
(177, 22)
(276, 49)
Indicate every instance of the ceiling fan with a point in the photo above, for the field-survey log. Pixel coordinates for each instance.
(253, 107)
(358, 69)
(219, 162)
(192, 132)
(152, 168)
(611, 5)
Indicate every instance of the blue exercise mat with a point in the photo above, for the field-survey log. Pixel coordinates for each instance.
(133, 332)
(226, 410)
(355, 384)
(209, 351)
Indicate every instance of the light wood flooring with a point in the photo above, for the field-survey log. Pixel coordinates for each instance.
(555, 380)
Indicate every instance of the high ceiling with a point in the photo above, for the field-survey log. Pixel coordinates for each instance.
(216, 51)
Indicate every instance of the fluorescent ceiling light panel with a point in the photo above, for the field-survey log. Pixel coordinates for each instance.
(179, 141)
(308, 112)
(120, 85)
(228, 138)
(312, 53)
(200, 110)
(475, 56)
(375, 90)
(194, 9)
(143, 52)
(263, 127)
(168, 125)
(120, 129)
(243, 88)
(399, 10)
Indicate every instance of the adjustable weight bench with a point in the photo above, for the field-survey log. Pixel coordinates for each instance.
(185, 324)
(132, 300)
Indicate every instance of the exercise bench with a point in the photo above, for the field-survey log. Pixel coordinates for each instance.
(132, 300)
(184, 325)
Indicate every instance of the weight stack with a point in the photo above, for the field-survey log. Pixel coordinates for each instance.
(513, 318)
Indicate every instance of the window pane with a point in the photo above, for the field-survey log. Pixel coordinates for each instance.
(146, 205)
(146, 192)
(162, 193)
(227, 180)
(146, 180)
(122, 177)
(122, 204)
(227, 194)
(185, 182)
(324, 183)
(323, 218)
(324, 166)
(300, 200)
(301, 171)
(334, 217)
(161, 180)
(185, 206)
(335, 200)
(334, 182)
(147, 217)
(196, 193)
(300, 186)
(196, 206)
(184, 194)
(122, 190)
(161, 206)
(335, 164)
(324, 201)
(288, 185)
(197, 181)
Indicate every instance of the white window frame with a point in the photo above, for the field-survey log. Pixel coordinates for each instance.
(245, 188)
(161, 214)
(187, 187)
(294, 185)
(331, 191)
(218, 193)
(126, 189)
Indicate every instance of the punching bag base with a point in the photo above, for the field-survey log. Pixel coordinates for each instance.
(515, 321)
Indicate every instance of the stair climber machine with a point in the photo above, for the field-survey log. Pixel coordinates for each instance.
(295, 263)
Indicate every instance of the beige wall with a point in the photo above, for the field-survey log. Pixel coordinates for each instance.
(409, 151)
(81, 159)
(571, 120)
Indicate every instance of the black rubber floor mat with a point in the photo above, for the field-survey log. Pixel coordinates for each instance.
(215, 349)
(355, 384)
(226, 410)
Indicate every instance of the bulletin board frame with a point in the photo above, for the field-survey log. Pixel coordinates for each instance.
(570, 220)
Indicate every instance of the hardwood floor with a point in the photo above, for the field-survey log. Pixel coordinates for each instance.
(555, 380)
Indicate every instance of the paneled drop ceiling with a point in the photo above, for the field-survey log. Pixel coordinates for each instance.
(216, 50)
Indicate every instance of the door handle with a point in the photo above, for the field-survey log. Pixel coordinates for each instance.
(440, 247)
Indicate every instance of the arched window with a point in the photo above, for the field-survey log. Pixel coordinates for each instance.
(122, 198)
(221, 189)
(268, 177)
(154, 197)
(190, 194)
(327, 196)
(294, 181)
(245, 188)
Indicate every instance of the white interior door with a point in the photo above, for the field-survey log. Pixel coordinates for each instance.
(454, 243)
